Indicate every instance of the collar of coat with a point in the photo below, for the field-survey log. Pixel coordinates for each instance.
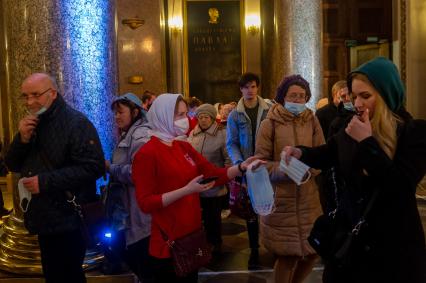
(57, 105)
(214, 128)
(127, 140)
(282, 115)
(262, 104)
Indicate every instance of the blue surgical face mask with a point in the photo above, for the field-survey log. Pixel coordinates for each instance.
(349, 106)
(295, 108)
(41, 111)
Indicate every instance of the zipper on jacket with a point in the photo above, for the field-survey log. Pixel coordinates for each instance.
(298, 221)
(202, 146)
(296, 142)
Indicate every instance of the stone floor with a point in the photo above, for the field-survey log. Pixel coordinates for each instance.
(231, 265)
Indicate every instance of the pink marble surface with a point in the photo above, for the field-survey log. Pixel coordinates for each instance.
(140, 50)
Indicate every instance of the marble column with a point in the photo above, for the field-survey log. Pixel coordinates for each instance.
(416, 57)
(292, 44)
(74, 41)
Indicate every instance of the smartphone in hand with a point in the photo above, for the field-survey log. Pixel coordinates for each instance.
(208, 180)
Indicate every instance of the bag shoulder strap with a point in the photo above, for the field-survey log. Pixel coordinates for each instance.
(169, 242)
(367, 209)
(362, 219)
(163, 234)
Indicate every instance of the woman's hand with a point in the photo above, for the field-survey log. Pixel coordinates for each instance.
(195, 187)
(192, 187)
(359, 128)
(291, 151)
(245, 164)
(239, 170)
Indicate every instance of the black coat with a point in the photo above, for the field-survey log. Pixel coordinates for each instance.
(66, 154)
(340, 121)
(325, 116)
(391, 247)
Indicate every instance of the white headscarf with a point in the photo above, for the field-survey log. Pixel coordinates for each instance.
(161, 116)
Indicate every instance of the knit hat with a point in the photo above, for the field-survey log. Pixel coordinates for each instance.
(287, 82)
(384, 76)
(206, 109)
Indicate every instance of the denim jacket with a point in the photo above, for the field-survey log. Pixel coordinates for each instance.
(239, 142)
(121, 171)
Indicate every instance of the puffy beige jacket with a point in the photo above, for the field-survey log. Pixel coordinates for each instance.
(212, 145)
(285, 231)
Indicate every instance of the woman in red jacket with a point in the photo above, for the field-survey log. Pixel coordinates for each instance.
(166, 174)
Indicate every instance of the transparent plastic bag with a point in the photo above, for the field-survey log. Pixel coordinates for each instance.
(260, 190)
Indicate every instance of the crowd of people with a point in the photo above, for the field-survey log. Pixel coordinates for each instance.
(168, 145)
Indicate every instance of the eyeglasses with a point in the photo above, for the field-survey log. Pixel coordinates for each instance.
(296, 95)
(26, 97)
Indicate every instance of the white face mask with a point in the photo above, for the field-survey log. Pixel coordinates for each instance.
(295, 170)
(181, 126)
(295, 108)
(24, 196)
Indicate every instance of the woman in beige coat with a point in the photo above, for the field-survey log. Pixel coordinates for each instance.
(285, 231)
(209, 139)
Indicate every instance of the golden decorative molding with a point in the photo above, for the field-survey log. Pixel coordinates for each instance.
(135, 80)
(133, 23)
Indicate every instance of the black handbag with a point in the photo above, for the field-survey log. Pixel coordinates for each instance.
(332, 236)
(92, 218)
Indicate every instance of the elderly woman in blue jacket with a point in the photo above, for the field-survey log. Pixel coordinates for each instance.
(136, 228)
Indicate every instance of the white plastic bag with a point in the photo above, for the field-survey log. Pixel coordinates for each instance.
(260, 190)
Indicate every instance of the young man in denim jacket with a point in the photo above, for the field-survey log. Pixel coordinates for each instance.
(243, 124)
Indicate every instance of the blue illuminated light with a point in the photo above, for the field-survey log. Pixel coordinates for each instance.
(108, 235)
(89, 63)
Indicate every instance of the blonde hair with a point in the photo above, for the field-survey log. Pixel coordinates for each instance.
(338, 86)
(384, 122)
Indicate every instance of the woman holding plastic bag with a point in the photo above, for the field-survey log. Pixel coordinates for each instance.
(285, 231)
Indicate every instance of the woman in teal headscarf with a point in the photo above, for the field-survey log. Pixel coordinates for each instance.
(379, 158)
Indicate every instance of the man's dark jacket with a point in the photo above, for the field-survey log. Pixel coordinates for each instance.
(325, 116)
(66, 154)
